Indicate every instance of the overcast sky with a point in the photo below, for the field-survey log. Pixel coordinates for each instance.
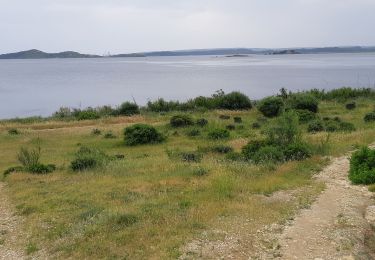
(122, 26)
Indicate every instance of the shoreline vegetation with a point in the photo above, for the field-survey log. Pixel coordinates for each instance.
(227, 52)
(131, 182)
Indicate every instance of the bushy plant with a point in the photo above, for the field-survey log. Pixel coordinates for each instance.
(202, 122)
(193, 132)
(96, 131)
(191, 157)
(161, 105)
(89, 158)
(237, 119)
(230, 127)
(252, 147)
(369, 117)
(305, 116)
(304, 102)
(128, 109)
(222, 149)
(88, 114)
(224, 117)
(350, 105)
(285, 130)
(13, 131)
(315, 126)
(268, 154)
(271, 106)
(217, 134)
(63, 113)
(347, 127)
(139, 134)
(110, 135)
(362, 166)
(297, 152)
(41, 168)
(29, 157)
(181, 121)
(331, 126)
(234, 101)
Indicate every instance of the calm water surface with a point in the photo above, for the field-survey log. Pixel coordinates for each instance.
(40, 87)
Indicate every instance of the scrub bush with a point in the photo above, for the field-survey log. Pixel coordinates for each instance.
(271, 106)
(304, 102)
(217, 134)
(181, 121)
(142, 134)
(362, 166)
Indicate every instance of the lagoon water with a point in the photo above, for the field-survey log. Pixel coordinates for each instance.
(40, 87)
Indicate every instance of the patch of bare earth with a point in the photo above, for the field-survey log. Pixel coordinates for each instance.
(339, 224)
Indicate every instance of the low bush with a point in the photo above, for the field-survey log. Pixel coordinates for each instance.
(252, 147)
(89, 158)
(305, 116)
(362, 166)
(332, 126)
(303, 102)
(271, 106)
(202, 122)
(139, 134)
(268, 154)
(350, 105)
(222, 149)
(96, 131)
(128, 109)
(41, 168)
(110, 135)
(347, 127)
(369, 117)
(224, 117)
(88, 114)
(297, 152)
(237, 119)
(181, 121)
(230, 127)
(161, 105)
(191, 157)
(315, 126)
(13, 131)
(285, 130)
(193, 132)
(234, 101)
(217, 134)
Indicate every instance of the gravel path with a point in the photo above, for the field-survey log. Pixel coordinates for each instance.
(10, 229)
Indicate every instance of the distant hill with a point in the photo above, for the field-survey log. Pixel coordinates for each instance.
(36, 54)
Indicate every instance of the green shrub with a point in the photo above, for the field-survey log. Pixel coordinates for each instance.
(362, 166)
(297, 152)
(285, 130)
(88, 114)
(202, 122)
(347, 127)
(305, 116)
(252, 147)
(304, 102)
(350, 105)
(109, 135)
(13, 131)
(315, 126)
(217, 134)
(222, 149)
(237, 119)
(193, 132)
(29, 157)
(268, 154)
(89, 158)
(224, 117)
(234, 101)
(271, 106)
(181, 121)
(191, 157)
(230, 127)
(41, 168)
(96, 131)
(369, 117)
(142, 134)
(128, 109)
(161, 105)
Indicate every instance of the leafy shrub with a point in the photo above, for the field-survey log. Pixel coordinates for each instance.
(224, 117)
(297, 152)
(369, 117)
(63, 113)
(217, 134)
(89, 158)
(305, 116)
(256, 125)
(237, 120)
(109, 135)
(331, 126)
(161, 105)
(347, 127)
(142, 134)
(230, 127)
(285, 130)
(362, 166)
(13, 169)
(128, 109)
(315, 126)
(13, 131)
(351, 105)
(88, 114)
(41, 168)
(268, 154)
(234, 101)
(193, 132)
(304, 102)
(271, 106)
(222, 149)
(191, 157)
(96, 131)
(252, 147)
(202, 122)
(181, 121)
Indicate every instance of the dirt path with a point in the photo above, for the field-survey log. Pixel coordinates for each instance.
(10, 229)
(335, 226)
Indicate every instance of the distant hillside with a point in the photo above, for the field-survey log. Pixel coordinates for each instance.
(36, 54)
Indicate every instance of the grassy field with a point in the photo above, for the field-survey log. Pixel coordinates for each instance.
(150, 204)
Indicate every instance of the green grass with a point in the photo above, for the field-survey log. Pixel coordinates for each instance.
(149, 205)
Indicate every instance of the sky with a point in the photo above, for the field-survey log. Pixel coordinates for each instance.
(125, 26)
